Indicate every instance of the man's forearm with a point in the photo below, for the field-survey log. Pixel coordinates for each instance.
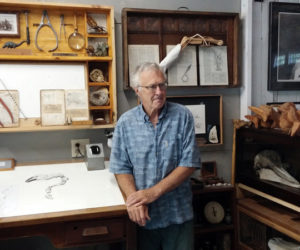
(173, 180)
(126, 183)
(170, 182)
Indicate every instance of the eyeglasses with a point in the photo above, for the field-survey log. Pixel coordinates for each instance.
(153, 87)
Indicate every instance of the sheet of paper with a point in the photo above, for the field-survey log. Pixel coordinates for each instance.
(77, 107)
(183, 72)
(138, 54)
(213, 65)
(198, 112)
(53, 107)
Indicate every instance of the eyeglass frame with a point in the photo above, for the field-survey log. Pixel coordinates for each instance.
(153, 87)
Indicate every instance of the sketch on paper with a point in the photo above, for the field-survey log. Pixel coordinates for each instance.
(184, 71)
(140, 53)
(213, 65)
(53, 107)
(198, 112)
(77, 106)
(48, 195)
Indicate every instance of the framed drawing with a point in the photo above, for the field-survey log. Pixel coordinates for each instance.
(284, 47)
(207, 113)
(9, 24)
(184, 71)
(209, 169)
(77, 105)
(213, 65)
(53, 107)
(139, 53)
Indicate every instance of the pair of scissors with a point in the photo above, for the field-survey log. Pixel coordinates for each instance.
(48, 24)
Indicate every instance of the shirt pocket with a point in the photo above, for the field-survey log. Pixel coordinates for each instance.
(171, 149)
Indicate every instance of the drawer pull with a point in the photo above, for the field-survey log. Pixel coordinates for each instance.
(92, 231)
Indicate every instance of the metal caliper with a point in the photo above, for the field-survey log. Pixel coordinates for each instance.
(48, 24)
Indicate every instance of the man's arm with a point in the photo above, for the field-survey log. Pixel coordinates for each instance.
(138, 214)
(170, 182)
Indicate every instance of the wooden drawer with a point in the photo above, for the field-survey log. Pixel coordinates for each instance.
(91, 231)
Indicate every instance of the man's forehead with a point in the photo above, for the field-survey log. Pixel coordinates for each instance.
(151, 75)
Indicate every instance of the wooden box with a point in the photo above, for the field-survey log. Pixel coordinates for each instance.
(164, 27)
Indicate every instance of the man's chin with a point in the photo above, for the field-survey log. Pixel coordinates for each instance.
(158, 103)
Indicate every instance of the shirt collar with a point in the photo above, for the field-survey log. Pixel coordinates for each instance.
(142, 115)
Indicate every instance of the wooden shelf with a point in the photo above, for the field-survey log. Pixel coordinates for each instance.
(225, 195)
(64, 53)
(50, 57)
(280, 218)
(28, 125)
(104, 84)
(206, 190)
(212, 228)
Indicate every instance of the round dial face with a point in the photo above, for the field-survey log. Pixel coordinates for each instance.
(214, 212)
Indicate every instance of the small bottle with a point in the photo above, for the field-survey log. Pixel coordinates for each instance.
(228, 219)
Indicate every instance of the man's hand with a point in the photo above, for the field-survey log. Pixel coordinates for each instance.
(141, 197)
(138, 214)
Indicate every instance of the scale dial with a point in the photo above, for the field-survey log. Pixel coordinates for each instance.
(214, 212)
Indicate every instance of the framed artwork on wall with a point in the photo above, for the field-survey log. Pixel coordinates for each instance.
(284, 46)
(207, 113)
(9, 24)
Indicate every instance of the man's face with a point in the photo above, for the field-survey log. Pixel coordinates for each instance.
(152, 99)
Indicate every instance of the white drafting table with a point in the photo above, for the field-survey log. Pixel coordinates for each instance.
(83, 189)
(87, 209)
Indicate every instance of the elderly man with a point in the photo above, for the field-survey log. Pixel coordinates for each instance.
(153, 154)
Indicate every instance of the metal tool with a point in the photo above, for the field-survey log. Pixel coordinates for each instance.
(41, 25)
(27, 27)
(62, 28)
(76, 40)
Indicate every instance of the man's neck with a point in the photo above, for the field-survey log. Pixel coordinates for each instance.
(153, 115)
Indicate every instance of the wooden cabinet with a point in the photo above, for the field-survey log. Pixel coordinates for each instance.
(94, 231)
(209, 235)
(95, 51)
(166, 27)
(265, 208)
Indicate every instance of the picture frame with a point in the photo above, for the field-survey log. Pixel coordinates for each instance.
(284, 48)
(213, 66)
(210, 131)
(52, 109)
(9, 24)
(184, 71)
(7, 164)
(209, 169)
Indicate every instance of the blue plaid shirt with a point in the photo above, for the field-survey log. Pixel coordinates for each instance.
(150, 153)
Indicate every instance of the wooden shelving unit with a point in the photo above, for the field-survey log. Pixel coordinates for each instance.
(64, 53)
(271, 208)
(213, 233)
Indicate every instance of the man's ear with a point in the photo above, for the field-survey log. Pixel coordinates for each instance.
(136, 90)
